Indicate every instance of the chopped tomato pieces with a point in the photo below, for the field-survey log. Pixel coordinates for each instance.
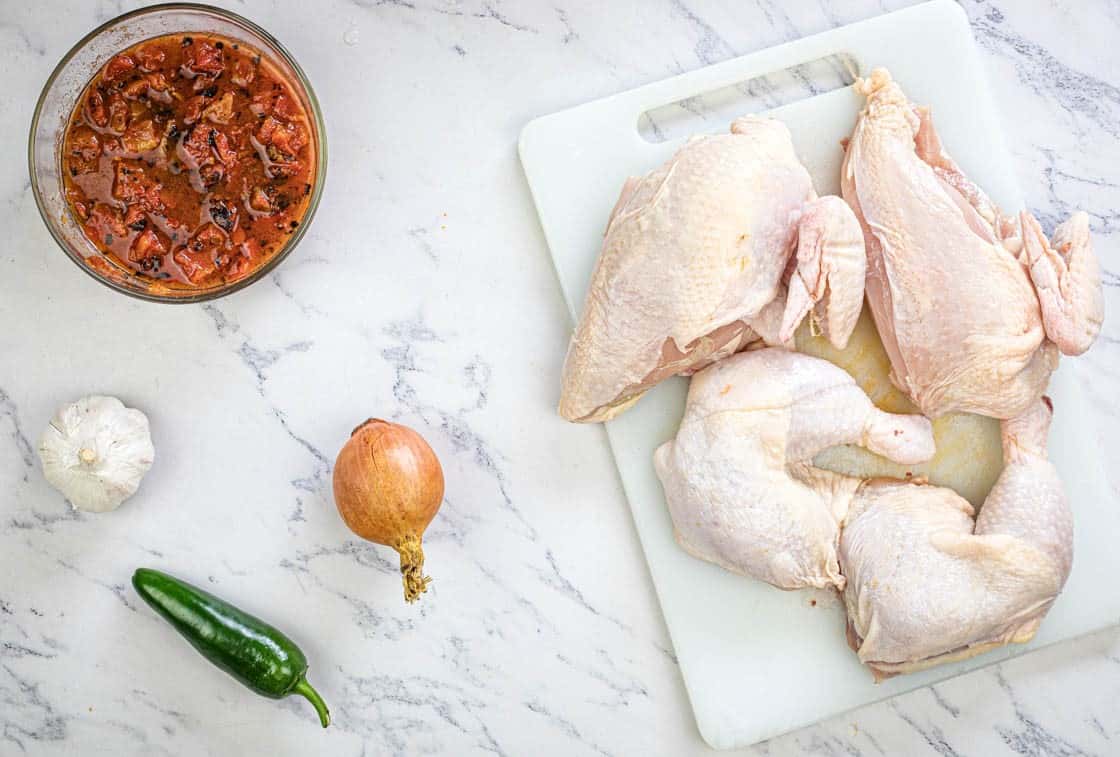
(224, 215)
(260, 200)
(118, 67)
(192, 110)
(85, 150)
(223, 148)
(189, 160)
(198, 267)
(148, 244)
(141, 137)
(84, 142)
(199, 258)
(105, 224)
(77, 200)
(118, 113)
(284, 106)
(209, 237)
(132, 184)
(204, 58)
(194, 149)
(245, 259)
(154, 86)
(96, 109)
(287, 138)
(221, 110)
(243, 73)
(150, 57)
(135, 218)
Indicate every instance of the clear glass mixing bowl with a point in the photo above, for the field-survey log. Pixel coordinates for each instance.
(68, 81)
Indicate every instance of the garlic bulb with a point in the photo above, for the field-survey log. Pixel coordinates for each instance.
(95, 451)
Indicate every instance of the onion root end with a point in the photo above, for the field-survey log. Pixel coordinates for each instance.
(412, 568)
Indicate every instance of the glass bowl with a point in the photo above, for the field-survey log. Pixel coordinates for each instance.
(68, 81)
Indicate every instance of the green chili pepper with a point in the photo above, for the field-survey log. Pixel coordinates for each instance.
(247, 648)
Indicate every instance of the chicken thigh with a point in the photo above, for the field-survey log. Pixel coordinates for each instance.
(973, 307)
(738, 480)
(926, 585)
(692, 265)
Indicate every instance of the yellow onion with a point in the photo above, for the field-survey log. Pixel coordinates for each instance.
(388, 485)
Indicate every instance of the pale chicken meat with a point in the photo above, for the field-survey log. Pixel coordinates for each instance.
(738, 478)
(973, 307)
(927, 584)
(694, 263)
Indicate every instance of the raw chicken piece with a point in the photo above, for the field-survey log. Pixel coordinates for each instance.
(692, 264)
(926, 585)
(972, 306)
(741, 491)
(831, 267)
(969, 455)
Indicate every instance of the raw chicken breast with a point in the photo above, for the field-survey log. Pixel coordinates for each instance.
(692, 264)
(972, 306)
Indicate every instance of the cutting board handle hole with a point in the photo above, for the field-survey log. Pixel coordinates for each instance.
(715, 109)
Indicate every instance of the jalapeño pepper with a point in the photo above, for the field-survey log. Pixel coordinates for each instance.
(247, 648)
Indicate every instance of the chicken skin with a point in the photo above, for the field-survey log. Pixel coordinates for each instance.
(927, 584)
(973, 307)
(923, 580)
(693, 265)
(738, 478)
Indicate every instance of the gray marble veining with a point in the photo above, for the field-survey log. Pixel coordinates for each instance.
(423, 293)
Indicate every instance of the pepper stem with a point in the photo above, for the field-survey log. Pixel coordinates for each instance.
(412, 568)
(303, 688)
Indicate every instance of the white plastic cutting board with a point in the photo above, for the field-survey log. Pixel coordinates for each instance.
(758, 662)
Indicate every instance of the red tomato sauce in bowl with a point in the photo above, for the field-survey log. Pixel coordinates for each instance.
(188, 161)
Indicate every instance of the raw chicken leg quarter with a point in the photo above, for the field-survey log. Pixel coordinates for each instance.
(926, 584)
(738, 478)
(693, 262)
(923, 582)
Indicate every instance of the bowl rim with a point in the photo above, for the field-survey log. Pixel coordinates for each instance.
(320, 144)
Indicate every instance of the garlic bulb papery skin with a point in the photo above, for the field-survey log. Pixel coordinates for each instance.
(95, 451)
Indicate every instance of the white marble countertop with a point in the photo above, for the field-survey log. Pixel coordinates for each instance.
(424, 293)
